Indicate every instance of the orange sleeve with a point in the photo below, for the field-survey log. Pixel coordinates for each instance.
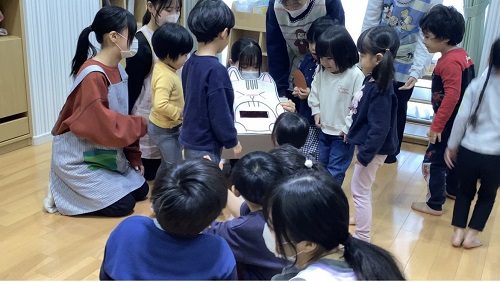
(94, 121)
(133, 154)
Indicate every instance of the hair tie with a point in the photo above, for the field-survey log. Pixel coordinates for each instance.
(308, 163)
(387, 49)
(348, 240)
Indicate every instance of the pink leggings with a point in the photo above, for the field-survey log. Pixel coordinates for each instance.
(361, 190)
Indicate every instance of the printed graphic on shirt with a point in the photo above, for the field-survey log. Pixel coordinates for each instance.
(301, 41)
(256, 103)
(355, 100)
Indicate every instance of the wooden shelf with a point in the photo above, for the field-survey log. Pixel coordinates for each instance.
(15, 118)
(252, 26)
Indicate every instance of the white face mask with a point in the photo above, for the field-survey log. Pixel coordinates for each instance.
(171, 18)
(296, 13)
(249, 74)
(271, 243)
(132, 49)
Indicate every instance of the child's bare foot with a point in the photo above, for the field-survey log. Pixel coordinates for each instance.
(458, 237)
(471, 240)
(423, 207)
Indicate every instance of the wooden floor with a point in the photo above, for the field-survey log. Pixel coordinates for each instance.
(40, 246)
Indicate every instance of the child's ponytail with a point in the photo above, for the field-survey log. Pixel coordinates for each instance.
(370, 262)
(380, 40)
(383, 73)
(494, 63)
(82, 50)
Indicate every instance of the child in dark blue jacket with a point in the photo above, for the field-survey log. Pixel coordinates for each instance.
(373, 130)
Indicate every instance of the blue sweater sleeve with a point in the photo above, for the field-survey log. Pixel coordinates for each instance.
(227, 231)
(220, 109)
(335, 10)
(379, 124)
(279, 63)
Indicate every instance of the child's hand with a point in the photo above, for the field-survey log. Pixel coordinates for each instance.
(237, 150)
(317, 121)
(221, 164)
(140, 168)
(450, 157)
(301, 93)
(342, 134)
(433, 136)
(288, 106)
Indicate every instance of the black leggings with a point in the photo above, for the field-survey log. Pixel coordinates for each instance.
(125, 205)
(472, 167)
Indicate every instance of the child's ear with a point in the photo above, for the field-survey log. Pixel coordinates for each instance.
(152, 211)
(113, 36)
(224, 34)
(379, 57)
(231, 62)
(235, 191)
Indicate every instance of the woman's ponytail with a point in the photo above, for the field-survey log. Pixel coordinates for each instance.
(83, 49)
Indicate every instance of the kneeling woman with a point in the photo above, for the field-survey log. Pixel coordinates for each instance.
(96, 163)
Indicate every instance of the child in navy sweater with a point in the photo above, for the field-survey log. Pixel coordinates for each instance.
(185, 199)
(373, 129)
(253, 176)
(208, 115)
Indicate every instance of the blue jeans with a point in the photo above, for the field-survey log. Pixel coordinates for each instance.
(214, 154)
(167, 140)
(335, 155)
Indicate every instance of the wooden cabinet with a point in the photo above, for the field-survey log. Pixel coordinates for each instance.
(15, 124)
(253, 26)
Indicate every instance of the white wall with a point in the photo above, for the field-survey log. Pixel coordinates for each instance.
(52, 29)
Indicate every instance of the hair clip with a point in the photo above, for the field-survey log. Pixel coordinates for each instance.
(308, 163)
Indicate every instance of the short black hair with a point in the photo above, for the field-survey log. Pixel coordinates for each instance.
(337, 43)
(445, 23)
(290, 128)
(247, 52)
(318, 27)
(255, 174)
(171, 40)
(208, 18)
(187, 197)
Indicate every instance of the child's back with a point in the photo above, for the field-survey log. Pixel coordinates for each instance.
(208, 111)
(186, 198)
(138, 249)
(253, 176)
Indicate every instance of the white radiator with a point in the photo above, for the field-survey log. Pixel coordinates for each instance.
(52, 28)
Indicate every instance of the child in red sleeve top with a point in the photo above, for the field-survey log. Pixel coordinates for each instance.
(443, 29)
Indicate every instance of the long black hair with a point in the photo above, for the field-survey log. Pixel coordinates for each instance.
(109, 18)
(383, 40)
(159, 5)
(494, 63)
(311, 206)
